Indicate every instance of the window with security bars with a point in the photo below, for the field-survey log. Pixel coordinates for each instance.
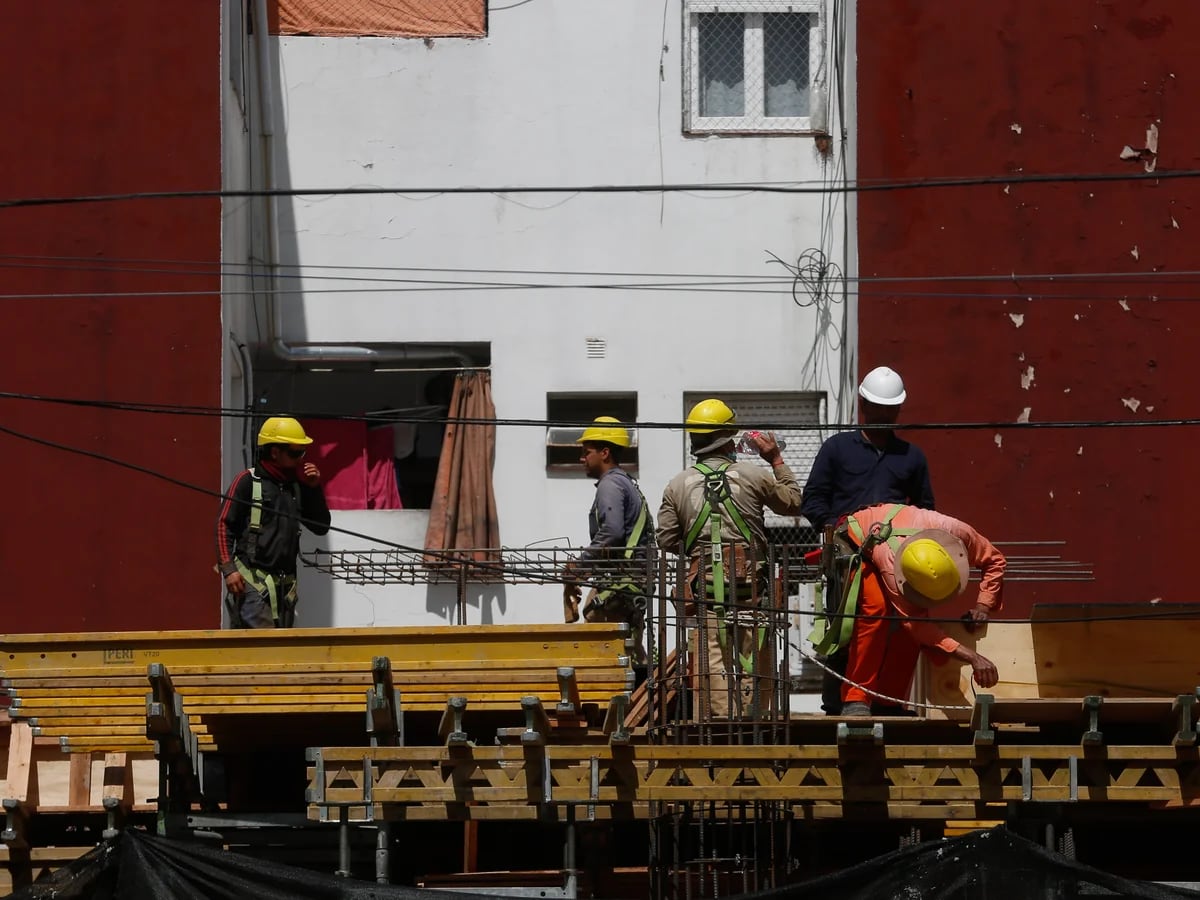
(784, 408)
(753, 66)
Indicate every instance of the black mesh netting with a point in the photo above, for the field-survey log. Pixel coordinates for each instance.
(988, 865)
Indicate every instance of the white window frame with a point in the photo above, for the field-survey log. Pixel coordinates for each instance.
(754, 119)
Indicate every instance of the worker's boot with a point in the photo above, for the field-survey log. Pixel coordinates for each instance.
(855, 709)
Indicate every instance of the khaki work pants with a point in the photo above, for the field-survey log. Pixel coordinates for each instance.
(741, 636)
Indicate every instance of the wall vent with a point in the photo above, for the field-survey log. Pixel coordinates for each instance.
(596, 348)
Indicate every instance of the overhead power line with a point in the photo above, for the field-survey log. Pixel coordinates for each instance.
(396, 419)
(794, 187)
(137, 266)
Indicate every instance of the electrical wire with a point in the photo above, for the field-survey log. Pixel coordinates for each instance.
(789, 187)
(135, 266)
(398, 418)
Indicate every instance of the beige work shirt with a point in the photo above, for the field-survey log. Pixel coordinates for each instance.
(753, 488)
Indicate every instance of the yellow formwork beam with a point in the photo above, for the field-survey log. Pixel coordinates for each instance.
(531, 644)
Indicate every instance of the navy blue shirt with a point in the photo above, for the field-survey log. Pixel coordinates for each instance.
(850, 472)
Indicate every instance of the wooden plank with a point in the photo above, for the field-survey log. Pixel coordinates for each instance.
(1070, 659)
(20, 762)
(80, 789)
(55, 652)
(116, 779)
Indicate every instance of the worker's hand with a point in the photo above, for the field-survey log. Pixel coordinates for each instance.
(979, 615)
(571, 597)
(985, 673)
(236, 583)
(310, 475)
(767, 448)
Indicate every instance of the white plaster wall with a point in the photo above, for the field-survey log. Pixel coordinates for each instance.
(557, 94)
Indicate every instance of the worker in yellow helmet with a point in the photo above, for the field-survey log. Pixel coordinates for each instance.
(712, 514)
(258, 529)
(621, 531)
(907, 561)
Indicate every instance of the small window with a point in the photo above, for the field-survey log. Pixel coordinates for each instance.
(562, 440)
(753, 66)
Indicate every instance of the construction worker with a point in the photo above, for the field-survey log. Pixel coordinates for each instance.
(712, 513)
(855, 469)
(621, 529)
(258, 530)
(904, 562)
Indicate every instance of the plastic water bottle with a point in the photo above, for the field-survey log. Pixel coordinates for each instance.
(745, 445)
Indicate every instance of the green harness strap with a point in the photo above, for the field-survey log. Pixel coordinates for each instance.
(628, 585)
(264, 582)
(831, 634)
(717, 493)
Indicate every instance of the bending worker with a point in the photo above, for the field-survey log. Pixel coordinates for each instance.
(907, 562)
(854, 469)
(258, 530)
(621, 530)
(712, 513)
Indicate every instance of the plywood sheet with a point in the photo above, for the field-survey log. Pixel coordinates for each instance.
(1074, 651)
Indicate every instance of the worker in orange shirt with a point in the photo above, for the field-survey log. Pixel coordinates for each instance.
(906, 561)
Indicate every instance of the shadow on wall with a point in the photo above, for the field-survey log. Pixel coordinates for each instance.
(486, 603)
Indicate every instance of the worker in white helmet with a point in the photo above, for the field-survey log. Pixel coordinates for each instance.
(856, 469)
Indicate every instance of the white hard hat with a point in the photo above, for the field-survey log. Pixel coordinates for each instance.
(883, 386)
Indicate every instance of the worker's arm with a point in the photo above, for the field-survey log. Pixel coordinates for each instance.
(232, 520)
(991, 563)
(670, 535)
(231, 524)
(314, 510)
(782, 494)
(611, 501)
(818, 491)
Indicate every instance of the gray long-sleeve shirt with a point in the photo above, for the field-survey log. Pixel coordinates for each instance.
(752, 488)
(614, 514)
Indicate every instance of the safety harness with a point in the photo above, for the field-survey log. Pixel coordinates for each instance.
(269, 584)
(718, 494)
(625, 584)
(832, 633)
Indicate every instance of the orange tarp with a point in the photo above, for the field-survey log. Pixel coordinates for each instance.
(396, 18)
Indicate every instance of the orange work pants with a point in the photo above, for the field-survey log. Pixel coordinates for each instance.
(882, 653)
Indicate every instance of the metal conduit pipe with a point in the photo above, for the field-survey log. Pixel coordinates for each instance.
(309, 353)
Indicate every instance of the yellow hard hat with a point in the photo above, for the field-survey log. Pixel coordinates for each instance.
(933, 564)
(606, 430)
(282, 430)
(711, 415)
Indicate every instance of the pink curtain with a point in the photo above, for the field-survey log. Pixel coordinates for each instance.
(357, 467)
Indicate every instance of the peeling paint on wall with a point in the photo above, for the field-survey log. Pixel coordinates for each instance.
(1132, 402)
(1024, 416)
(1027, 378)
(999, 439)
(1018, 319)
